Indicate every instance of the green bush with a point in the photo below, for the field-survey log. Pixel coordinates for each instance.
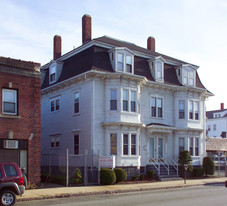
(77, 177)
(107, 176)
(208, 166)
(135, 177)
(121, 175)
(185, 159)
(197, 172)
(142, 177)
(150, 174)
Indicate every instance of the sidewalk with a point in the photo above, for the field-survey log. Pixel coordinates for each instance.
(60, 192)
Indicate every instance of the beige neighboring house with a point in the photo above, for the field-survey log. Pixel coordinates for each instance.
(215, 146)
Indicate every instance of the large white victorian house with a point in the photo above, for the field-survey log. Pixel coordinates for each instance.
(112, 96)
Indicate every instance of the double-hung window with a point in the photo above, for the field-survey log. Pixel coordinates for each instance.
(181, 144)
(181, 107)
(133, 144)
(193, 110)
(188, 76)
(113, 99)
(55, 141)
(120, 62)
(76, 102)
(52, 73)
(125, 144)
(191, 145)
(128, 63)
(9, 101)
(113, 144)
(196, 146)
(159, 70)
(54, 104)
(190, 109)
(196, 110)
(76, 144)
(156, 107)
(133, 101)
(125, 100)
(124, 62)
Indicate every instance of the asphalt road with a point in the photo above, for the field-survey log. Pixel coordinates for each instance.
(211, 195)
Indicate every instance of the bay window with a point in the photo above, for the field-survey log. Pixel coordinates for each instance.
(113, 99)
(181, 107)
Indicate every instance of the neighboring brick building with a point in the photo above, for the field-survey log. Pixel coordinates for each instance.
(20, 115)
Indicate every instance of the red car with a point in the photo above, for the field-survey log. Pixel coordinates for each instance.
(11, 183)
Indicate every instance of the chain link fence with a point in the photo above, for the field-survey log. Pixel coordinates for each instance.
(62, 168)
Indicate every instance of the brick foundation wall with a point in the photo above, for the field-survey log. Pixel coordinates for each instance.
(28, 121)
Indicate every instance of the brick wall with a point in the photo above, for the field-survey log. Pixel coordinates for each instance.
(27, 122)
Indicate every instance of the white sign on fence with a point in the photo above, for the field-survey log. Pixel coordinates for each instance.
(107, 162)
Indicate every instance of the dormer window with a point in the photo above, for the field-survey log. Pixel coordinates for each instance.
(122, 60)
(157, 68)
(187, 75)
(55, 70)
(52, 73)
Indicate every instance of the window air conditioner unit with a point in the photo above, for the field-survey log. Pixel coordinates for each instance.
(11, 144)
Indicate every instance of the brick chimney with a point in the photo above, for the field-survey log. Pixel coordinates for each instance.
(222, 106)
(151, 43)
(57, 46)
(86, 28)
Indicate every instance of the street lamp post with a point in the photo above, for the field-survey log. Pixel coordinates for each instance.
(185, 172)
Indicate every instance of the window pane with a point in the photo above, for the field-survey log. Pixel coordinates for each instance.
(133, 144)
(113, 99)
(125, 144)
(159, 70)
(120, 62)
(9, 101)
(159, 103)
(196, 110)
(76, 102)
(181, 109)
(9, 95)
(10, 170)
(113, 144)
(120, 58)
(133, 101)
(57, 104)
(9, 107)
(190, 109)
(181, 144)
(125, 100)
(76, 144)
(128, 59)
(153, 107)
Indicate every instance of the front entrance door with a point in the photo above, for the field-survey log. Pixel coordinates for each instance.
(156, 148)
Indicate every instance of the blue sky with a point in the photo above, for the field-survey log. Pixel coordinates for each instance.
(191, 30)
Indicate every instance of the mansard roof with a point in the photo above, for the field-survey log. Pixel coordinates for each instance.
(210, 114)
(95, 57)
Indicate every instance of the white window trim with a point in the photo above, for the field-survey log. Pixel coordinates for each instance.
(194, 145)
(125, 54)
(156, 106)
(187, 69)
(16, 103)
(129, 100)
(130, 144)
(178, 111)
(79, 145)
(193, 110)
(55, 137)
(74, 93)
(54, 100)
(52, 67)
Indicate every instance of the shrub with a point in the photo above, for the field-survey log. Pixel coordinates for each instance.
(121, 175)
(135, 177)
(77, 177)
(150, 174)
(107, 176)
(142, 177)
(185, 159)
(208, 166)
(197, 172)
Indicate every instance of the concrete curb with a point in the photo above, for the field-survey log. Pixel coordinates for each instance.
(114, 191)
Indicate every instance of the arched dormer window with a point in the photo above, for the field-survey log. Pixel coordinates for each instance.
(157, 68)
(122, 60)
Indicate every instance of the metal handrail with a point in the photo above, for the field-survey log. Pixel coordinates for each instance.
(173, 163)
(153, 161)
(163, 161)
